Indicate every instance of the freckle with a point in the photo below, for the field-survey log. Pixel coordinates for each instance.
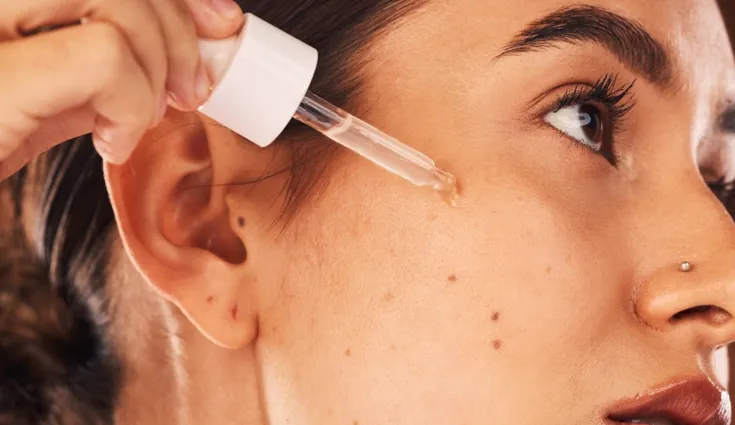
(355, 423)
(210, 299)
(548, 269)
(495, 316)
(452, 278)
(497, 344)
(388, 297)
(433, 217)
(393, 347)
(348, 352)
(241, 221)
(234, 312)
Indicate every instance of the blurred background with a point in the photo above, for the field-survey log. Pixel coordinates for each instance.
(728, 8)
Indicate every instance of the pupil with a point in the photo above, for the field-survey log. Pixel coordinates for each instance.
(590, 116)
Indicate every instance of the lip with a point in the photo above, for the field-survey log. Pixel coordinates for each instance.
(687, 402)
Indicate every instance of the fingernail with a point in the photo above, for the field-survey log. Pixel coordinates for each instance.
(174, 101)
(103, 148)
(227, 9)
(111, 144)
(203, 85)
(103, 143)
(104, 134)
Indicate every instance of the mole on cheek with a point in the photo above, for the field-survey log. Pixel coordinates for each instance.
(241, 222)
(210, 299)
(348, 352)
(495, 316)
(234, 312)
(452, 278)
(497, 344)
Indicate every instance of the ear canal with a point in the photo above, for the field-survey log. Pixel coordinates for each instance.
(220, 240)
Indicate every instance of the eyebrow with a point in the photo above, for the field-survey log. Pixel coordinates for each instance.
(625, 39)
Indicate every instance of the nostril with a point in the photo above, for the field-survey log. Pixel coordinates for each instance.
(692, 313)
(711, 314)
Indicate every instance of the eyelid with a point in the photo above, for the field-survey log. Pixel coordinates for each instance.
(563, 86)
(606, 91)
(608, 79)
(546, 102)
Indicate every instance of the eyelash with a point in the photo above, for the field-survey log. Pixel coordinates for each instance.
(725, 190)
(605, 92)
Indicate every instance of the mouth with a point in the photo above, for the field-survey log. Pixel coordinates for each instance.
(689, 402)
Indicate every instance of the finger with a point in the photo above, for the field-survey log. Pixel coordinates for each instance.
(139, 23)
(184, 65)
(90, 65)
(19, 17)
(135, 18)
(13, 164)
(216, 18)
(68, 125)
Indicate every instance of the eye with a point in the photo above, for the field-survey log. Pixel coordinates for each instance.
(593, 115)
(587, 123)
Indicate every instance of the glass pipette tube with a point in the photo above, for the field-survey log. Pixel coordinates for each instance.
(378, 147)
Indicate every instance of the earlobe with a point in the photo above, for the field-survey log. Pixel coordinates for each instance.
(181, 232)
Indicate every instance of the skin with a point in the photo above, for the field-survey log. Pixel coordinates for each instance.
(380, 304)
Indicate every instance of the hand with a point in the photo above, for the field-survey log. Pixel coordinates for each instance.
(113, 75)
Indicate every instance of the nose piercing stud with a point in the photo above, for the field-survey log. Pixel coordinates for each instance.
(685, 266)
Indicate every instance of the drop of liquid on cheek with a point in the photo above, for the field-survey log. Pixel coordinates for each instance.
(448, 190)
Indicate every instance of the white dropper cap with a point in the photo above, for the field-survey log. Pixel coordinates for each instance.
(261, 76)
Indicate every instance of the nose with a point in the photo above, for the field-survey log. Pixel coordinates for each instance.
(694, 295)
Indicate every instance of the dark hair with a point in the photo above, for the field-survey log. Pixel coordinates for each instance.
(57, 364)
(728, 13)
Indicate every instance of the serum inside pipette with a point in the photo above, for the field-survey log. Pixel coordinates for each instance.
(378, 147)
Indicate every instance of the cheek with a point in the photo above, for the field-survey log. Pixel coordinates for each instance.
(402, 292)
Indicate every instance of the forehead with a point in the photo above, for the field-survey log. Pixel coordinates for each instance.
(692, 31)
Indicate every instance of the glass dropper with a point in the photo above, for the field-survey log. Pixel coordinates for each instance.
(378, 147)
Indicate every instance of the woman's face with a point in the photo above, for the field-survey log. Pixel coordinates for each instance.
(552, 291)
(582, 139)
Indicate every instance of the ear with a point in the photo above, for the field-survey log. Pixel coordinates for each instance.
(192, 225)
